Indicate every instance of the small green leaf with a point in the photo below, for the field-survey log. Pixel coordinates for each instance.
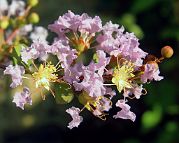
(63, 93)
(84, 98)
(17, 49)
(150, 119)
(16, 53)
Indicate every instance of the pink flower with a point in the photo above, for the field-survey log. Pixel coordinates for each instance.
(110, 92)
(115, 42)
(91, 76)
(110, 28)
(129, 48)
(151, 73)
(16, 73)
(136, 90)
(73, 73)
(65, 54)
(104, 104)
(22, 98)
(67, 21)
(38, 49)
(125, 113)
(92, 83)
(90, 25)
(74, 112)
(39, 33)
(102, 62)
(71, 22)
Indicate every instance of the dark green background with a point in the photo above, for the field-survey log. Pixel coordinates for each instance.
(156, 23)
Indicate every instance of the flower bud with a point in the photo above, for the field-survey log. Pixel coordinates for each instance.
(33, 18)
(32, 3)
(167, 52)
(4, 23)
(95, 58)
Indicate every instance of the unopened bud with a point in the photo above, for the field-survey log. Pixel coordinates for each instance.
(95, 58)
(32, 3)
(34, 18)
(4, 23)
(167, 52)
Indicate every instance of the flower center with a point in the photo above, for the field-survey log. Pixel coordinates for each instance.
(80, 42)
(122, 75)
(45, 75)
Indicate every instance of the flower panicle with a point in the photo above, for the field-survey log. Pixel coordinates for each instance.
(94, 63)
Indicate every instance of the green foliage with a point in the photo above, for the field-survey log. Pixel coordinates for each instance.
(140, 6)
(151, 119)
(63, 93)
(16, 53)
(129, 22)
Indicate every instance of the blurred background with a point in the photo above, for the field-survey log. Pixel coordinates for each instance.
(156, 24)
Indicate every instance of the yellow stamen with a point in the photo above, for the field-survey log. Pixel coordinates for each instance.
(45, 75)
(122, 75)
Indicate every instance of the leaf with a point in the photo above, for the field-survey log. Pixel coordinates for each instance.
(63, 93)
(84, 98)
(16, 53)
(142, 5)
(150, 119)
(86, 56)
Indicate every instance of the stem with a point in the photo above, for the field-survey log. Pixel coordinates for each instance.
(27, 11)
(12, 35)
(1, 38)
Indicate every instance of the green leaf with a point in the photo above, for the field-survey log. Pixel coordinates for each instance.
(129, 21)
(18, 49)
(63, 93)
(150, 119)
(84, 98)
(86, 56)
(16, 54)
(142, 5)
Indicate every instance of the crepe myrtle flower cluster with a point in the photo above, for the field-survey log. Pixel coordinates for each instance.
(95, 62)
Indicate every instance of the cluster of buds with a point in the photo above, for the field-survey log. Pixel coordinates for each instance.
(16, 26)
(89, 61)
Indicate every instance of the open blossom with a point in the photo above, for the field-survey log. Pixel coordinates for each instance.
(151, 72)
(39, 33)
(105, 104)
(107, 41)
(90, 25)
(77, 119)
(22, 98)
(3, 6)
(125, 112)
(92, 83)
(101, 63)
(70, 21)
(136, 90)
(92, 80)
(38, 49)
(115, 42)
(16, 6)
(25, 30)
(65, 54)
(129, 48)
(16, 73)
